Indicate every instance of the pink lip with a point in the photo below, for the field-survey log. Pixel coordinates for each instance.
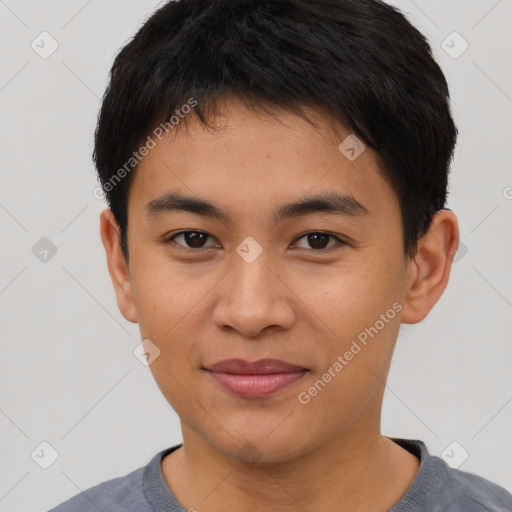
(255, 379)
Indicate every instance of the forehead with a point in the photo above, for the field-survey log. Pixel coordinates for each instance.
(249, 158)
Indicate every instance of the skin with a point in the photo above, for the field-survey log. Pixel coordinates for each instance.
(295, 302)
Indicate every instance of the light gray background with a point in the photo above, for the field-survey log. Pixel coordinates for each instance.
(68, 373)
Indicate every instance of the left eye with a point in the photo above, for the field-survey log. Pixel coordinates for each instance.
(318, 240)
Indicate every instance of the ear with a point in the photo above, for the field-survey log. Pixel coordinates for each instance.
(429, 271)
(117, 265)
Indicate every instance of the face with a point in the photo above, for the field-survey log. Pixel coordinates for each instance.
(306, 285)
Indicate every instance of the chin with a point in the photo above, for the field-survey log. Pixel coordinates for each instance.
(254, 447)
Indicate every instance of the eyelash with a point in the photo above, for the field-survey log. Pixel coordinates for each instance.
(170, 240)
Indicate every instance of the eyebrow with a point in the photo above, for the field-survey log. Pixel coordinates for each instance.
(333, 202)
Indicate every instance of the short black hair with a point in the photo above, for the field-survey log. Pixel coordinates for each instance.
(361, 61)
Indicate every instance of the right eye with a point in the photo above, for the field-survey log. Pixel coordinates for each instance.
(193, 239)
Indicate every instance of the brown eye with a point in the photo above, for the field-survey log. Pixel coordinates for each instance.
(318, 240)
(192, 239)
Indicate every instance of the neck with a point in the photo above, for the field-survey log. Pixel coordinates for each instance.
(351, 473)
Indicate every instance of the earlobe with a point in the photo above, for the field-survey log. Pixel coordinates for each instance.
(117, 265)
(429, 271)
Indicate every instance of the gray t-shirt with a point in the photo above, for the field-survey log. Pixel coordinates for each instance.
(436, 488)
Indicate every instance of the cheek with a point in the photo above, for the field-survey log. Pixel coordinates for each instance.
(357, 317)
(336, 398)
(166, 293)
(349, 382)
(349, 297)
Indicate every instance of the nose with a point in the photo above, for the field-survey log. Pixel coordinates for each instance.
(253, 298)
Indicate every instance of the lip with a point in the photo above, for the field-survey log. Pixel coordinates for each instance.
(259, 367)
(255, 379)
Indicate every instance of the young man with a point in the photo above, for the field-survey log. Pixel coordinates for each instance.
(276, 172)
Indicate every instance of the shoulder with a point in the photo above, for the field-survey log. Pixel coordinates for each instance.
(122, 494)
(467, 492)
(437, 487)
